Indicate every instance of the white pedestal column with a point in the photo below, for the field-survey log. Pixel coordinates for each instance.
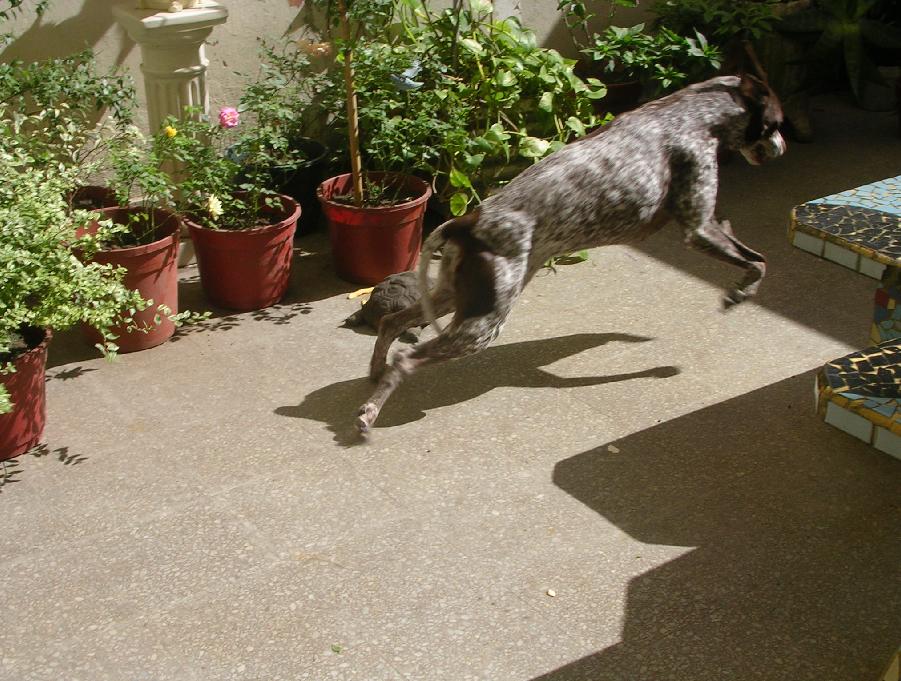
(172, 54)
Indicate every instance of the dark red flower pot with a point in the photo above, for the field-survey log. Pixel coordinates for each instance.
(369, 243)
(22, 428)
(247, 269)
(152, 270)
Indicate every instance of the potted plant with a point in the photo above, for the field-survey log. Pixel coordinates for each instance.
(468, 130)
(45, 288)
(374, 217)
(242, 231)
(65, 124)
(72, 111)
(139, 235)
(277, 135)
(423, 106)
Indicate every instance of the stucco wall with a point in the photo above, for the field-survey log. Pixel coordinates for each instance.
(72, 25)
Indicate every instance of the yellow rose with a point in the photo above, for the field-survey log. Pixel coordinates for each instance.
(170, 131)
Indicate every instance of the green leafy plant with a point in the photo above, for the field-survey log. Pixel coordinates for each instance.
(206, 188)
(272, 107)
(457, 96)
(722, 21)
(58, 107)
(140, 179)
(843, 32)
(665, 58)
(501, 95)
(577, 16)
(44, 284)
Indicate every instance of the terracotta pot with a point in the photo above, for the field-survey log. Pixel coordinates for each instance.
(369, 243)
(247, 269)
(152, 270)
(22, 428)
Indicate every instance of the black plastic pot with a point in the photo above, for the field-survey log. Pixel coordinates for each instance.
(300, 183)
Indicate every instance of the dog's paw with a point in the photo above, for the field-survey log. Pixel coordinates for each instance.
(366, 416)
(733, 298)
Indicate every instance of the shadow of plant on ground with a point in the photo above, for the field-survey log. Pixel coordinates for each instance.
(510, 365)
(67, 374)
(12, 468)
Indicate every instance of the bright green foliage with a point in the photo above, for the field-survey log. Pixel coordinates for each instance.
(42, 282)
(577, 14)
(668, 59)
(56, 106)
(272, 106)
(458, 96)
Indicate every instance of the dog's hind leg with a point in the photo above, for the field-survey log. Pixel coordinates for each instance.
(716, 239)
(485, 288)
(456, 341)
(393, 325)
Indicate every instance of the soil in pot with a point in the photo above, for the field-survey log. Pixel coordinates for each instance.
(151, 268)
(369, 243)
(22, 428)
(247, 269)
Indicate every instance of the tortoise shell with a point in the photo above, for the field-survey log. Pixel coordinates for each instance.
(394, 293)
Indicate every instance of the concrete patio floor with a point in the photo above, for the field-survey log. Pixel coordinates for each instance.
(630, 485)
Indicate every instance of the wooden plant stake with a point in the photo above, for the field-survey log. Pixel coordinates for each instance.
(353, 124)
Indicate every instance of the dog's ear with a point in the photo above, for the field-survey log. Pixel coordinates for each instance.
(752, 89)
(763, 106)
(741, 58)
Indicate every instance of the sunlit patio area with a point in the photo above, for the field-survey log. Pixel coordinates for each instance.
(630, 484)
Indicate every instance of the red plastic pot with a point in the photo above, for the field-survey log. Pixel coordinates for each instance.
(247, 269)
(22, 428)
(152, 270)
(369, 243)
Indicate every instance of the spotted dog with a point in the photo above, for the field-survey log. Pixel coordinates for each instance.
(615, 186)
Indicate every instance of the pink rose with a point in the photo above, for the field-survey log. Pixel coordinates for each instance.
(229, 117)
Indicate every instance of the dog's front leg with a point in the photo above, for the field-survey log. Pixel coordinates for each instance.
(716, 239)
(393, 325)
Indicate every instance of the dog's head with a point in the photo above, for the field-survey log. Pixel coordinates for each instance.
(762, 139)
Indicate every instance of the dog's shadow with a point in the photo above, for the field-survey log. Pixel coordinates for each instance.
(511, 365)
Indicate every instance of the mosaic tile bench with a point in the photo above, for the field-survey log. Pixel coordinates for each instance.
(861, 229)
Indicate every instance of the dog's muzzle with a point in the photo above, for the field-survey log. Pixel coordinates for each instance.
(765, 149)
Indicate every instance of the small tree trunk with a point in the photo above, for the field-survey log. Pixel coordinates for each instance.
(353, 124)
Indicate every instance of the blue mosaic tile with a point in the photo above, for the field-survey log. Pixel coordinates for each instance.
(884, 195)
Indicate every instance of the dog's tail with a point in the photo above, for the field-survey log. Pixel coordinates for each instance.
(441, 234)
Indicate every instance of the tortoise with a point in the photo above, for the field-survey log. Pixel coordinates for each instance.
(394, 293)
